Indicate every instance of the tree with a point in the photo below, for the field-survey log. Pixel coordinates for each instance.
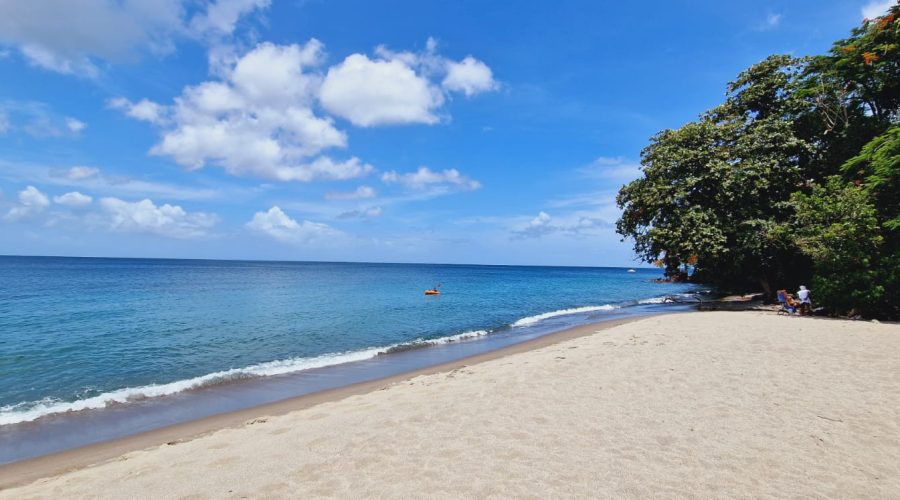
(795, 176)
(837, 227)
(717, 188)
(877, 169)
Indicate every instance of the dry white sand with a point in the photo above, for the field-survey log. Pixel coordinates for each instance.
(719, 404)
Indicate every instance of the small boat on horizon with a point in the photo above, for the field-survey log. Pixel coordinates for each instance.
(632, 271)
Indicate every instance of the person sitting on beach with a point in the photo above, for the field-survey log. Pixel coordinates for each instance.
(788, 303)
(805, 302)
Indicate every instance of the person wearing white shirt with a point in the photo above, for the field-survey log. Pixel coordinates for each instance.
(805, 303)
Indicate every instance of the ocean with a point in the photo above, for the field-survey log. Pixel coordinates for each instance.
(86, 335)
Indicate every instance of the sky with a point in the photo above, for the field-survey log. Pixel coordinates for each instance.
(395, 131)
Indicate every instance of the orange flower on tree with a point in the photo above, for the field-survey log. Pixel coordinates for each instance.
(870, 57)
(885, 20)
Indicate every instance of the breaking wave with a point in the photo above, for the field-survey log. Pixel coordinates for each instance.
(33, 410)
(530, 320)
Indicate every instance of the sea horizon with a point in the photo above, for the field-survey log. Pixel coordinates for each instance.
(312, 261)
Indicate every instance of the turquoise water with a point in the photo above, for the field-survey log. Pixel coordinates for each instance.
(78, 333)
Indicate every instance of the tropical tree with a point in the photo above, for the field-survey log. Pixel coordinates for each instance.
(837, 227)
(795, 176)
(717, 188)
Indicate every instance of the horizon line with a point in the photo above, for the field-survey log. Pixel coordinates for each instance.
(318, 261)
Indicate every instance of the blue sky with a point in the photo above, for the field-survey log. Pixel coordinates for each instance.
(397, 131)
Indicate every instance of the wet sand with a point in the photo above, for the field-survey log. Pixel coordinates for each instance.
(745, 404)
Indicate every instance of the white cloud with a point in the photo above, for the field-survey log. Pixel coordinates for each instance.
(576, 224)
(772, 21)
(64, 36)
(876, 8)
(258, 118)
(615, 169)
(424, 178)
(164, 220)
(379, 92)
(75, 126)
(31, 202)
(399, 87)
(278, 225)
(73, 199)
(258, 121)
(359, 193)
(78, 173)
(221, 16)
(92, 179)
(71, 36)
(542, 219)
(470, 77)
(144, 110)
(37, 119)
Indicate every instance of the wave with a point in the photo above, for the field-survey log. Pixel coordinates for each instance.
(678, 298)
(420, 343)
(530, 320)
(655, 300)
(33, 410)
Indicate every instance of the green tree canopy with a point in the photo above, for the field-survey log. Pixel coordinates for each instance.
(754, 191)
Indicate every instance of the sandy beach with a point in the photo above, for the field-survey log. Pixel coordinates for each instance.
(715, 404)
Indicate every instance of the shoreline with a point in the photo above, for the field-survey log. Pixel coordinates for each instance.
(700, 405)
(26, 471)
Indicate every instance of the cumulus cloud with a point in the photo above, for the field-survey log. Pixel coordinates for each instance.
(73, 199)
(258, 121)
(79, 172)
(359, 193)
(424, 178)
(279, 226)
(379, 92)
(876, 8)
(259, 117)
(221, 16)
(144, 110)
(163, 220)
(70, 37)
(470, 76)
(537, 227)
(399, 87)
(31, 202)
(574, 225)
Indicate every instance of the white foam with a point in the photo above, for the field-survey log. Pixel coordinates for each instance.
(654, 300)
(530, 320)
(27, 412)
(459, 336)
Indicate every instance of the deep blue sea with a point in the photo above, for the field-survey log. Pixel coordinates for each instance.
(80, 333)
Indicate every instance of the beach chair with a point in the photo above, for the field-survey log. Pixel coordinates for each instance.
(787, 306)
